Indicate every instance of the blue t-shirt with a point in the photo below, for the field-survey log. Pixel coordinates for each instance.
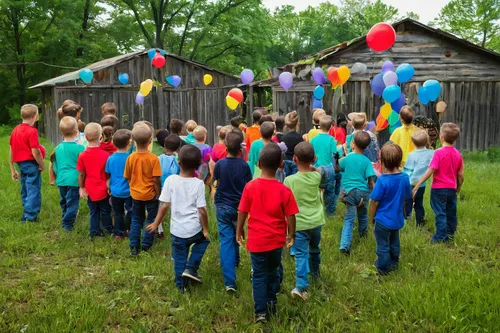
(417, 164)
(115, 166)
(231, 174)
(357, 169)
(325, 147)
(392, 191)
(169, 167)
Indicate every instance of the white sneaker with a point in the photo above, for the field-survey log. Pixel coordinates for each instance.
(230, 290)
(194, 277)
(304, 295)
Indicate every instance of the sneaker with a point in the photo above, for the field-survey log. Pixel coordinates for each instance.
(146, 248)
(304, 295)
(260, 318)
(230, 290)
(192, 276)
(345, 251)
(160, 235)
(119, 237)
(134, 251)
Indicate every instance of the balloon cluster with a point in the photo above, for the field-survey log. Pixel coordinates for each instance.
(338, 76)
(145, 89)
(234, 98)
(157, 57)
(388, 118)
(429, 92)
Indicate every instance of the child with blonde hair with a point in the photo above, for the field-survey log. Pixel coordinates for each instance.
(190, 127)
(200, 135)
(317, 115)
(402, 135)
(291, 139)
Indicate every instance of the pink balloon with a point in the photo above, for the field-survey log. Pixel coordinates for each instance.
(286, 80)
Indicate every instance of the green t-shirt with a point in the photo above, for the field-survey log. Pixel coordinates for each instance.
(253, 156)
(66, 156)
(305, 188)
(325, 147)
(357, 168)
(348, 141)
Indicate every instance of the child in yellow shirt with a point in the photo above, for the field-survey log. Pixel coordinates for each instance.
(402, 135)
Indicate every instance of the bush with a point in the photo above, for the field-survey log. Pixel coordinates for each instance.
(15, 114)
(494, 154)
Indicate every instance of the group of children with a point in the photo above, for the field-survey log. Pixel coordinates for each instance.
(275, 180)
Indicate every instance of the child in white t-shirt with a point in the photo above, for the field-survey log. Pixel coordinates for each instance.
(185, 195)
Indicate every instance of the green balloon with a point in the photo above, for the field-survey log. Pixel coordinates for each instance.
(393, 118)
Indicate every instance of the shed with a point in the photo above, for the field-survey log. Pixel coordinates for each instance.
(190, 100)
(469, 76)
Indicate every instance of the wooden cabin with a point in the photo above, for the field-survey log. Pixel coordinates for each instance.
(190, 100)
(469, 76)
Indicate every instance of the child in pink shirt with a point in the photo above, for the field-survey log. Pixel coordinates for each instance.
(447, 167)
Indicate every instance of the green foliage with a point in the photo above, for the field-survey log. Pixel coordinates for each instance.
(14, 114)
(494, 154)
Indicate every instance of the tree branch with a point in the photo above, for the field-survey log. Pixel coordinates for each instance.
(184, 33)
(220, 53)
(130, 4)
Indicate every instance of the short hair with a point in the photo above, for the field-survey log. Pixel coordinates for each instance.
(176, 126)
(391, 156)
(233, 142)
(317, 115)
(112, 121)
(325, 123)
(450, 132)
(109, 108)
(93, 131)
(236, 122)
(107, 134)
(304, 152)
(406, 114)
(161, 135)
(122, 138)
(68, 126)
(291, 120)
(200, 133)
(256, 115)
(223, 132)
(189, 157)
(280, 123)
(28, 111)
(265, 118)
(359, 122)
(270, 157)
(81, 126)
(362, 139)
(267, 130)
(420, 138)
(141, 133)
(191, 125)
(172, 142)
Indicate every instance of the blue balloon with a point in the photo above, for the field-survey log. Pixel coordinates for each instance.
(405, 72)
(151, 54)
(123, 78)
(86, 75)
(391, 93)
(174, 80)
(423, 96)
(399, 103)
(317, 104)
(319, 92)
(433, 89)
(162, 52)
(378, 85)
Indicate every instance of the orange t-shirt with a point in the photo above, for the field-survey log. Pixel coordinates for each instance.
(252, 134)
(140, 170)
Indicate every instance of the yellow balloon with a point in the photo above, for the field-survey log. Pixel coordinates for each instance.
(207, 79)
(231, 103)
(386, 110)
(146, 87)
(344, 74)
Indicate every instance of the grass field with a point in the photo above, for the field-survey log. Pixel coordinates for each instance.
(53, 281)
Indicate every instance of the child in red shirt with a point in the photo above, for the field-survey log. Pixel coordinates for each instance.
(107, 140)
(25, 151)
(92, 181)
(270, 205)
(219, 150)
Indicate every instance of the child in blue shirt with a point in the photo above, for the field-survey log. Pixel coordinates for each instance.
(357, 182)
(118, 185)
(391, 195)
(417, 164)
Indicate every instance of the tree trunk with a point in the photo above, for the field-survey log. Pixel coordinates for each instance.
(483, 44)
(85, 27)
(20, 64)
(184, 33)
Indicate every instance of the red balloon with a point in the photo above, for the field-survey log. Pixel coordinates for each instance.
(333, 76)
(237, 94)
(158, 60)
(381, 37)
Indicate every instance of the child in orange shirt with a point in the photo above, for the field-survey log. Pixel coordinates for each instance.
(253, 132)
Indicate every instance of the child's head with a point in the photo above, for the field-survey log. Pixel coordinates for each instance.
(256, 115)
(142, 134)
(190, 126)
(70, 109)
(223, 132)
(176, 126)
(267, 130)
(112, 121)
(107, 134)
(420, 139)
(265, 118)
(233, 143)
(270, 157)
(406, 115)
(172, 143)
(236, 122)
(325, 123)
(93, 132)
(304, 153)
(391, 156)
(291, 120)
(200, 134)
(108, 108)
(122, 138)
(449, 133)
(189, 158)
(161, 135)
(359, 122)
(280, 123)
(361, 140)
(81, 126)
(68, 127)
(317, 115)
(29, 112)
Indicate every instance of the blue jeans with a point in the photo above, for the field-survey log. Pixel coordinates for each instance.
(122, 210)
(444, 205)
(353, 199)
(307, 256)
(265, 280)
(100, 212)
(229, 248)
(139, 209)
(31, 195)
(290, 168)
(418, 205)
(330, 188)
(388, 249)
(180, 252)
(70, 200)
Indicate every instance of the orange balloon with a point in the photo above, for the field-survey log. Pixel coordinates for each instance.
(381, 123)
(344, 74)
(237, 94)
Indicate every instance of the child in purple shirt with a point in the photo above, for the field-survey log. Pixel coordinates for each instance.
(200, 135)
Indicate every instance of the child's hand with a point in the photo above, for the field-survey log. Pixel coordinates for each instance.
(15, 176)
(83, 193)
(151, 227)
(241, 240)
(41, 168)
(414, 192)
(290, 240)
(205, 234)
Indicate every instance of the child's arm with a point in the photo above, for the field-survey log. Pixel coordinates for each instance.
(13, 171)
(290, 238)
(373, 209)
(157, 185)
(460, 180)
(371, 183)
(108, 181)
(240, 232)
(81, 184)
(422, 180)
(204, 220)
(52, 168)
(38, 158)
(159, 217)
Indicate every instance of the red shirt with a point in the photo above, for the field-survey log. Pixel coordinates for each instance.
(23, 138)
(219, 152)
(92, 162)
(109, 147)
(338, 133)
(268, 202)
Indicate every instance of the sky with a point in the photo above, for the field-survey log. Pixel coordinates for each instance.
(427, 9)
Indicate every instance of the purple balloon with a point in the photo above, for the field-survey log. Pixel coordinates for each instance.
(317, 103)
(139, 98)
(399, 103)
(247, 76)
(388, 66)
(378, 85)
(173, 80)
(286, 80)
(370, 125)
(390, 78)
(319, 76)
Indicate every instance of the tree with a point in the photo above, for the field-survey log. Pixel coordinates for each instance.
(363, 14)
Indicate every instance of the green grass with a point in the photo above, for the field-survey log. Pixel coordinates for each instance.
(53, 281)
